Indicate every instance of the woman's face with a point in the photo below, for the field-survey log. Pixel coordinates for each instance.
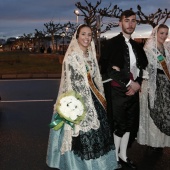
(84, 38)
(162, 35)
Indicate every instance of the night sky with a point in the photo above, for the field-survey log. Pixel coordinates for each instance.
(24, 16)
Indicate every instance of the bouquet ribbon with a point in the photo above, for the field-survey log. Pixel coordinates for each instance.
(69, 109)
(59, 122)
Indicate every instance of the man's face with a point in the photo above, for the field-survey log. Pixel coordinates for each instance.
(128, 25)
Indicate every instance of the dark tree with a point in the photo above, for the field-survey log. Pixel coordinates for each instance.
(90, 13)
(26, 40)
(39, 37)
(153, 19)
(52, 29)
(69, 29)
(115, 12)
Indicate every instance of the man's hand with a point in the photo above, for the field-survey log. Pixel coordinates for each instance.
(132, 88)
(130, 91)
(135, 86)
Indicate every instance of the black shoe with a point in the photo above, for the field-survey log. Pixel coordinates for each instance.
(119, 166)
(128, 163)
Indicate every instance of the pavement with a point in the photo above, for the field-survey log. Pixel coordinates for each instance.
(26, 109)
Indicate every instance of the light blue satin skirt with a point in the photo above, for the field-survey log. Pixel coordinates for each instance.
(70, 161)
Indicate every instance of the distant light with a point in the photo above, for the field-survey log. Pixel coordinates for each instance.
(76, 12)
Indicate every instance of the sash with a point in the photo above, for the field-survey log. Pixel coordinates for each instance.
(99, 96)
(162, 61)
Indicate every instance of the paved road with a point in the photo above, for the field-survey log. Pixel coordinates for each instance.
(25, 112)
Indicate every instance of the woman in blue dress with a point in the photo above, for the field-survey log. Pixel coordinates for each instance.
(89, 145)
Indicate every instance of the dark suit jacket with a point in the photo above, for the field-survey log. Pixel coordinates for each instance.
(116, 53)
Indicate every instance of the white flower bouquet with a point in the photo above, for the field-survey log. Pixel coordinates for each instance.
(69, 109)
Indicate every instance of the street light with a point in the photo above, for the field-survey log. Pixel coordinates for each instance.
(77, 14)
(63, 35)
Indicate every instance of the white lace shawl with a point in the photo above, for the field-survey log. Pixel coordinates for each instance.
(74, 77)
(151, 51)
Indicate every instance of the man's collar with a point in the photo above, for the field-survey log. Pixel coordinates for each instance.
(126, 39)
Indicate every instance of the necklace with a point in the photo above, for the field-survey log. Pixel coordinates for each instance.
(86, 54)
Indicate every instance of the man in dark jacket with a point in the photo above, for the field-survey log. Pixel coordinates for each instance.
(122, 63)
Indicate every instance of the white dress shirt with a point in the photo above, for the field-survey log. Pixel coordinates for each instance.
(133, 68)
